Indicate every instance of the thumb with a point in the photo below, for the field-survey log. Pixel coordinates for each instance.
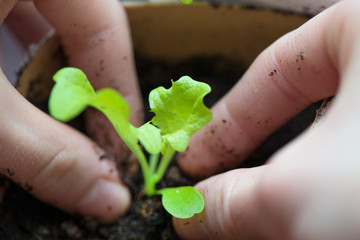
(55, 163)
(230, 211)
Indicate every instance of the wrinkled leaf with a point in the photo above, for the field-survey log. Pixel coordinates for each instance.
(182, 202)
(180, 111)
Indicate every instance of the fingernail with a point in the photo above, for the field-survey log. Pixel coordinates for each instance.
(105, 200)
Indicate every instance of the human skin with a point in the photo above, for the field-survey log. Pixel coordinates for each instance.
(54, 162)
(310, 189)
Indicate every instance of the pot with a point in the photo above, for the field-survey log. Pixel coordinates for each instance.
(231, 34)
(178, 32)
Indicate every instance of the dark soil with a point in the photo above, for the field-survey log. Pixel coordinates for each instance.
(24, 217)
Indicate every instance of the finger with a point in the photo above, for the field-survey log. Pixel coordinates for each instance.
(239, 205)
(55, 163)
(229, 208)
(308, 198)
(301, 198)
(27, 24)
(6, 6)
(288, 76)
(96, 39)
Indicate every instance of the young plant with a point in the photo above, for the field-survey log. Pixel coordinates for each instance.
(186, 1)
(179, 113)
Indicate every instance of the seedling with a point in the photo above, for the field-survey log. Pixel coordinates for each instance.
(186, 1)
(179, 113)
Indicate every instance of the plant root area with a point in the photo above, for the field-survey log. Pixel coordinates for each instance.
(26, 218)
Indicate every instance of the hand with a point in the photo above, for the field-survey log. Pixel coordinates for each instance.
(55, 163)
(310, 189)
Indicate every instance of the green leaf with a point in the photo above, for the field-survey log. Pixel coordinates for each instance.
(73, 92)
(117, 110)
(112, 104)
(150, 138)
(182, 202)
(180, 111)
(70, 95)
(186, 1)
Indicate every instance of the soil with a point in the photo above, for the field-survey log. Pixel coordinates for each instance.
(24, 217)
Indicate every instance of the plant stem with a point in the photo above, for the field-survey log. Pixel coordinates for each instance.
(164, 163)
(153, 160)
(148, 178)
(150, 184)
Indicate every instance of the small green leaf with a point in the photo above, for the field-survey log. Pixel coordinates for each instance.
(73, 92)
(112, 104)
(182, 202)
(180, 111)
(150, 138)
(117, 110)
(186, 1)
(70, 95)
